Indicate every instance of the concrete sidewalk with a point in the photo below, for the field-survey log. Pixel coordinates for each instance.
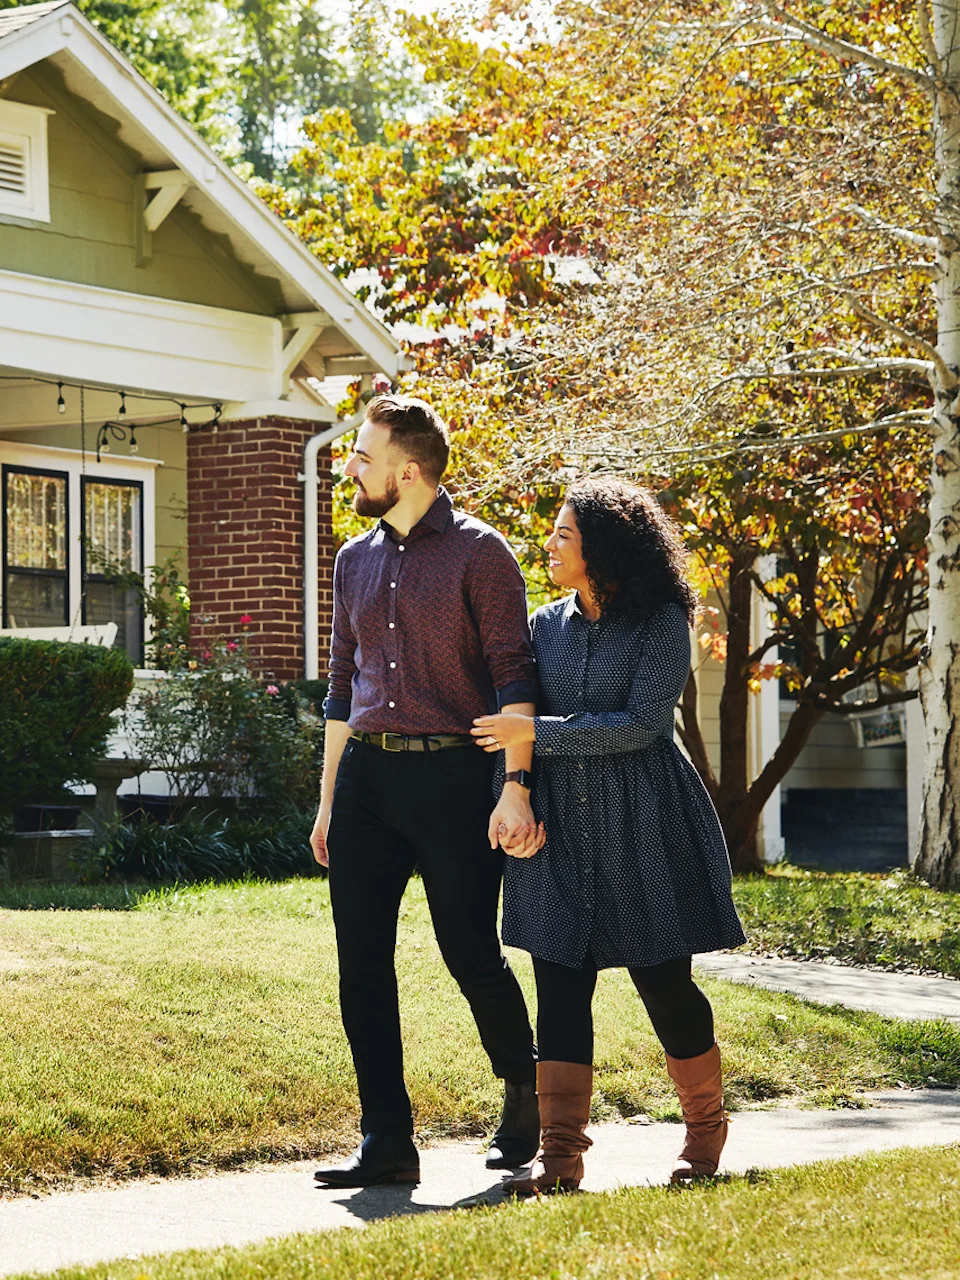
(896, 995)
(77, 1227)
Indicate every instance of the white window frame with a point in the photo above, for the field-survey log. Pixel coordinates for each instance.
(76, 465)
(26, 126)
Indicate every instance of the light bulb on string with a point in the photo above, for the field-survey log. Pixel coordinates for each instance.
(134, 447)
(183, 419)
(123, 404)
(61, 403)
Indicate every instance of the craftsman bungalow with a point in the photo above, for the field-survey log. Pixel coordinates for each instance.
(151, 304)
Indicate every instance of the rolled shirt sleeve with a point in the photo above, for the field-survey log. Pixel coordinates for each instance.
(655, 690)
(498, 601)
(343, 647)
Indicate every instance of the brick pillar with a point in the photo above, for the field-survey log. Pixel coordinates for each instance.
(245, 540)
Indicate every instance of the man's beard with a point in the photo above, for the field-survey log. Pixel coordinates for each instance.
(365, 505)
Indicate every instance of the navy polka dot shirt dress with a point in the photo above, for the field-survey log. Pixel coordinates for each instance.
(635, 868)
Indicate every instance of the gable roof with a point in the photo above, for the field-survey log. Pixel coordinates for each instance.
(58, 33)
(23, 15)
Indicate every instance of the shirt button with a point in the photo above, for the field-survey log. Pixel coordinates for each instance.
(393, 667)
(391, 625)
(391, 704)
(401, 547)
(393, 585)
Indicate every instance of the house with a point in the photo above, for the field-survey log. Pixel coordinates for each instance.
(852, 800)
(163, 344)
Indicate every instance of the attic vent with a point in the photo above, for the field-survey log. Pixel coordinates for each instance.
(13, 168)
(24, 181)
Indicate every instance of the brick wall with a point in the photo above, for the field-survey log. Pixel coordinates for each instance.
(245, 539)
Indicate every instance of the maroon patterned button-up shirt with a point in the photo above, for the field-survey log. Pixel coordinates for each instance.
(429, 630)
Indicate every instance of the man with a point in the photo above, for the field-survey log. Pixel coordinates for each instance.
(429, 631)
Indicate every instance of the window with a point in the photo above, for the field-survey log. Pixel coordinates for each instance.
(35, 569)
(69, 528)
(112, 545)
(24, 175)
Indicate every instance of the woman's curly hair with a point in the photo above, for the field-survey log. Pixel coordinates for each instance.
(636, 560)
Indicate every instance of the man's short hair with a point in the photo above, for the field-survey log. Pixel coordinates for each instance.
(417, 429)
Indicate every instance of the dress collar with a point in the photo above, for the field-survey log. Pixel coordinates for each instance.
(571, 609)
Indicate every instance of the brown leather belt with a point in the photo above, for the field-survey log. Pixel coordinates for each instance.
(414, 742)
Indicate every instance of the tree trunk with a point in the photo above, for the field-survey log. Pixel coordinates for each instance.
(734, 713)
(938, 857)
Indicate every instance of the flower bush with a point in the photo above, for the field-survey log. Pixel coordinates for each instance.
(216, 728)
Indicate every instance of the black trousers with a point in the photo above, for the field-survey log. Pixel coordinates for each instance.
(680, 1012)
(393, 811)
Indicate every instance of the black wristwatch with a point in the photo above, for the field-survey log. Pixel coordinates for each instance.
(523, 776)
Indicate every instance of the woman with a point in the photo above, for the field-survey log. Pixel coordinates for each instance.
(634, 873)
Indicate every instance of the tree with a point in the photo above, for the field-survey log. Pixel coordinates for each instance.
(844, 524)
(170, 46)
(246, 73)
(931, 70)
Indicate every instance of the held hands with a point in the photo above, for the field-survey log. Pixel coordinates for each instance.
(513, 826)
(493, 733)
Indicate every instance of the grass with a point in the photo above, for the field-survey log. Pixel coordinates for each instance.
(890, 921)
(199, 1028)
(878, 1217)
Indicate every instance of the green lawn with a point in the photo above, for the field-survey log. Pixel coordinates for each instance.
(199, 1028)
(892, 921)
(885, 1217)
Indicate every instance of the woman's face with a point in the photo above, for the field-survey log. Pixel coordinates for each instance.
(566, 565)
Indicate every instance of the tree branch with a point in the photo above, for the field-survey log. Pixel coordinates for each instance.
(897, 233)
(843, 50)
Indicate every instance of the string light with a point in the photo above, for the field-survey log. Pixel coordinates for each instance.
(183, 419)
(60, 383)
(134, 447)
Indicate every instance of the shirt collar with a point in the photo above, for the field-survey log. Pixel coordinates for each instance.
(441, 513)
(438, 517)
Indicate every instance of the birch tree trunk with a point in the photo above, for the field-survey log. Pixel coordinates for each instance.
(938, 857)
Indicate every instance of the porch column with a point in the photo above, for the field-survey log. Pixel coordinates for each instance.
(245, 540)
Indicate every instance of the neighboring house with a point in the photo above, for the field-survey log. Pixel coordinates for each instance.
(136, 265)
(852, 800)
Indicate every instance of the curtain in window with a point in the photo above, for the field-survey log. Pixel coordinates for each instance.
(112, 547)
(35, 544)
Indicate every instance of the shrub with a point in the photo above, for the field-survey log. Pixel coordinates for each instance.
(214, 727)
(209, 848)
(56, 705)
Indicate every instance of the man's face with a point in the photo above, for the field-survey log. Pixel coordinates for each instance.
(374, 465)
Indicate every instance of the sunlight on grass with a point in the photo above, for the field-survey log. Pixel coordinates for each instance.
(199, 1027)
(892, 921)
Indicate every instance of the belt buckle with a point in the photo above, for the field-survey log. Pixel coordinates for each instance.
(395, 737)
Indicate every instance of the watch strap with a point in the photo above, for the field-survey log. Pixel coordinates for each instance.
(523, 776)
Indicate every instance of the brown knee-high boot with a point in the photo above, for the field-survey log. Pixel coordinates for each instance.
(564, 1090)
(699, 1087)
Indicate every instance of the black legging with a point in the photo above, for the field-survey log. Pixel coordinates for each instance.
(680, 1012)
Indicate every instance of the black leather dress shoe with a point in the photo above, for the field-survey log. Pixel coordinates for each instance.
(380, 1159)
(517, 1140)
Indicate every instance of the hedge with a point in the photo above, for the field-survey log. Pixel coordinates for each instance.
(56, 703)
